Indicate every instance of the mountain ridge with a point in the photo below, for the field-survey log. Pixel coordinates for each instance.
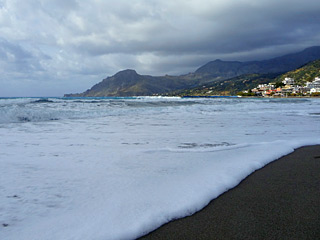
(130, 83)
(274, 65)
(233, 86)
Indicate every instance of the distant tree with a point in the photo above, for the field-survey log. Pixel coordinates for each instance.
(248, 94)
(279, 84)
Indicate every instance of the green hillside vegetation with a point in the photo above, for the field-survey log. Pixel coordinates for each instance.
(304, 74)
(229, 86)
(235, 85)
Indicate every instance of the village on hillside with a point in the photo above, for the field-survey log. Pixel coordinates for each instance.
(288, 87)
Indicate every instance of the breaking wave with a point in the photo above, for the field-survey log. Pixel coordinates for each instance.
(15, 110)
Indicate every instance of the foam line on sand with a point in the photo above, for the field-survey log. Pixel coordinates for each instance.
(279, 201)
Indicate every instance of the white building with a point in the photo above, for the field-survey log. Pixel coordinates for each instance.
(262, 85)
(314, 84)
(297, 89)
(314, 90)
(265, 87)
(288, 81)
(271, 86)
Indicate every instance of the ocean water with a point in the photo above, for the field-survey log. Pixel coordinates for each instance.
(117, 168)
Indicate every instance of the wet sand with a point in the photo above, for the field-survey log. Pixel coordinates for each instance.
(279, 201)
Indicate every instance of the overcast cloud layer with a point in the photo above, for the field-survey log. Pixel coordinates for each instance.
(52, 47)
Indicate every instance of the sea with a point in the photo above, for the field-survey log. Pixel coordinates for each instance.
(118, 168)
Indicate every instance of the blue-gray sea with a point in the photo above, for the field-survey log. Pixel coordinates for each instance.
(117, 168)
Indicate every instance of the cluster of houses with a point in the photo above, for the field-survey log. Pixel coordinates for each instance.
(289, 88)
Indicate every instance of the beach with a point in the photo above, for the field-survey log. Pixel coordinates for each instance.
(279, 201)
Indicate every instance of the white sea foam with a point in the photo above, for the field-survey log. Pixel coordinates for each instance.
(119, 168)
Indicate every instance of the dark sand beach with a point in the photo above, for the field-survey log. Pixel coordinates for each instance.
(279, 201)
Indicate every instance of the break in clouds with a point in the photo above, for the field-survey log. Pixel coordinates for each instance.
(51, 47)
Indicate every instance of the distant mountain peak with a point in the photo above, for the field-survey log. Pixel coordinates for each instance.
(312, 50)
(229, 69)
(125, 73)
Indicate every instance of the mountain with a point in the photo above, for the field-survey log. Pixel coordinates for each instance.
(304, 74)
(130, 83)
(229, 69)
(234, 85)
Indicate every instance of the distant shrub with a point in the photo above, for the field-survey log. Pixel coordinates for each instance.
(279, 84)
(248, 94)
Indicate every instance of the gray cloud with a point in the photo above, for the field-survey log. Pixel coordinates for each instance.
(49, 47)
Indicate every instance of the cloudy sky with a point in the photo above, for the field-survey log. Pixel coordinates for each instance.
(52, 47)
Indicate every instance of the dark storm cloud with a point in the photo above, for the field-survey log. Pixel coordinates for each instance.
(75, 42)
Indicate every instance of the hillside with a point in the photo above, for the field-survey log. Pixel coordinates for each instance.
(130, 83)
(223, 76)
(229, 86)
(304, 74)
(229, 69)
(249, 81)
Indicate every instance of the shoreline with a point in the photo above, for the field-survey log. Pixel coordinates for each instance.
(279, 201)
(237, 96)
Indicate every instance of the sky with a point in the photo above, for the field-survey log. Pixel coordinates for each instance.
(53, 47)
